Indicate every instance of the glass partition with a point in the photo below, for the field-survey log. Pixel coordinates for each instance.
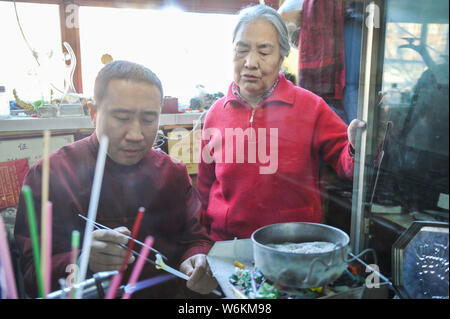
(403, 168)
(415, 82)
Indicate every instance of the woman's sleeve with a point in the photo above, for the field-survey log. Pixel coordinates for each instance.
(331, 139)
(205, 177)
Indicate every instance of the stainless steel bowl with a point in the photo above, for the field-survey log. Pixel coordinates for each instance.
(300, 270)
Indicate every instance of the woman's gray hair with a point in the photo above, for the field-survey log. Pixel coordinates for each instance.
(253, 13)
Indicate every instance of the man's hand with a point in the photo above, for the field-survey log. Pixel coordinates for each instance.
(106, 254)
(200, 278)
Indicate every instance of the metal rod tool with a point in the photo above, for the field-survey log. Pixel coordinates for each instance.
(100, 226)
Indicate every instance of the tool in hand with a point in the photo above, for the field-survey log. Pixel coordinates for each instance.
(100, 226)
(161, 265)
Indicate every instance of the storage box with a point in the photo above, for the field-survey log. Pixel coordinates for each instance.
(170, 105)
(71, 110)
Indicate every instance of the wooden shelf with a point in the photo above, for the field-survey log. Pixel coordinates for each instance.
(18, 124)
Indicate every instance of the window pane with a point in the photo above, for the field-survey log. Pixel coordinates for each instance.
(18, 68)
(184, 49)
(415, 79)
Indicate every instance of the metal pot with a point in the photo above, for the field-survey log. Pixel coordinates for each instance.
(300, 270)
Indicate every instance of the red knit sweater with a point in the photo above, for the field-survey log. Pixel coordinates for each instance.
(241, 192)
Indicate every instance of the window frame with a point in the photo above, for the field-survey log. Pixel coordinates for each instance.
(71, 35)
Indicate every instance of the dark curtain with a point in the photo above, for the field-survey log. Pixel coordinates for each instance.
(322, 48)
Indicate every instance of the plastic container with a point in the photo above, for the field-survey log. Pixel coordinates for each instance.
(4, 103)
(394, 95)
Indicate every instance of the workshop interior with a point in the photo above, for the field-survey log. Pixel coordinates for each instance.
(381, 234)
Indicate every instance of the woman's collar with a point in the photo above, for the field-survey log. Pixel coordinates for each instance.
(280, 91)
(237, 91)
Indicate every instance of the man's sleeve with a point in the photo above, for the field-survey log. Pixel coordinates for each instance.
(194, 236)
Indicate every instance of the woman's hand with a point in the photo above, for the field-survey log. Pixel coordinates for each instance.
(352, 130)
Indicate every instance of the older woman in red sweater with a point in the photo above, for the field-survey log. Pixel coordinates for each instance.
(261, 142)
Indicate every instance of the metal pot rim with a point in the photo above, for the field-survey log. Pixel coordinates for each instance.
(255, 242)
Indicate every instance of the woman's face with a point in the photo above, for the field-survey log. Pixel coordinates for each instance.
(257, 60)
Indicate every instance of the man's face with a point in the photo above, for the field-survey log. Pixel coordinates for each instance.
(129, 116)
(257, 59)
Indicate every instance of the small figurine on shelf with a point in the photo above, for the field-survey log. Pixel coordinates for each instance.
(46, 108)
(70, 104)
(26, 107)
(39, 108)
